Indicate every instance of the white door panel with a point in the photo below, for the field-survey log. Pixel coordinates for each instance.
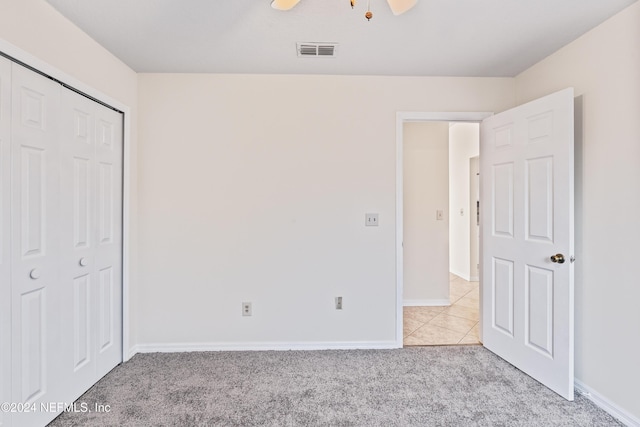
(91, 243)
(5, 232)
(527, 185)
(77, 279)
(108, 255)
(36, 303)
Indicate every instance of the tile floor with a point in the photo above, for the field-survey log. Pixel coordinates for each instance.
(455, 324)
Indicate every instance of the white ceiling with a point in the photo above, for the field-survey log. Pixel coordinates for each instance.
(436, 38)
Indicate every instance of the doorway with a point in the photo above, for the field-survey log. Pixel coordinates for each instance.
(441, 299)
(434, 309)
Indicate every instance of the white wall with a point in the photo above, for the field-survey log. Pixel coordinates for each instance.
(474, 219)
(34, 27)
(464, 143)
(604, 68)
(254, 188)
(426, 190)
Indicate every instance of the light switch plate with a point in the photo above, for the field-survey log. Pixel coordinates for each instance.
(371, 220)
(439, 215)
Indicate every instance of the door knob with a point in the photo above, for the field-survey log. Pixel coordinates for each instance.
(83, 262)
(34, 274)
(557, 258)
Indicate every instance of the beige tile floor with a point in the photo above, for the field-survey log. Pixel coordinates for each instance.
(455, 324)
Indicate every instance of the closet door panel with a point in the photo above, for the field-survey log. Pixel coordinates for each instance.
(109, 145)
(5, 231)
(35, 301)
(77, 276)
(91, 243)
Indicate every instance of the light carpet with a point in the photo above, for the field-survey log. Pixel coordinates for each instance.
(418, 386)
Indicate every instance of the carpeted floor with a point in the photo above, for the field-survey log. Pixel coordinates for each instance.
(419, 386)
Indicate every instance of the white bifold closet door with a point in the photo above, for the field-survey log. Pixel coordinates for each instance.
(78, 240)
(91, 242)
(65, 254)
(37, 302)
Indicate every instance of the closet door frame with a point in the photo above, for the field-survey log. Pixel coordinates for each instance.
(38, 65)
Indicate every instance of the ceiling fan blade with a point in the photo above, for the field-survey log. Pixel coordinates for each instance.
(284, 4)
(398, 7)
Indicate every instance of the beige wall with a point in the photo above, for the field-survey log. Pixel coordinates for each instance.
(604, 68)
(254, 188)
(426, 190)
(34, 27)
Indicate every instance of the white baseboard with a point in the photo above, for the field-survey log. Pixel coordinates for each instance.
(426, 302)
(602, 402)
(261, 346)
(465, 276)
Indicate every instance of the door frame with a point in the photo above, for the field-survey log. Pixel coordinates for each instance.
(15, 53)
(403, 117)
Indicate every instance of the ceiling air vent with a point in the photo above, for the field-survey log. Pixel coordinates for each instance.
(317, 50)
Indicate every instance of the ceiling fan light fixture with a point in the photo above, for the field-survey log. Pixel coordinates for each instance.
(398, 7)
(284, 4)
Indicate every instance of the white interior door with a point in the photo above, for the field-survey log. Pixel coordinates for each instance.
(91, 272)
(5, 232)
(526, 177)
(108, 237)
(36, 302)
(77, 278)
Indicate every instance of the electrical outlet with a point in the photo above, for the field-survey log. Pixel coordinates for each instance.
(338, 303)
(246, 309)
(371, 220)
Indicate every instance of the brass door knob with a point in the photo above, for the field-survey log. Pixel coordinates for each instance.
(558, 258)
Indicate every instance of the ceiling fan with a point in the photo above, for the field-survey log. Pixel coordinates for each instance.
(398, 7)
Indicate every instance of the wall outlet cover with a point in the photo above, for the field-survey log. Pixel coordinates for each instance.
(246, 309)
(371, 220)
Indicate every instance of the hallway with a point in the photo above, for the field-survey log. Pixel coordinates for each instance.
(455, 324)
